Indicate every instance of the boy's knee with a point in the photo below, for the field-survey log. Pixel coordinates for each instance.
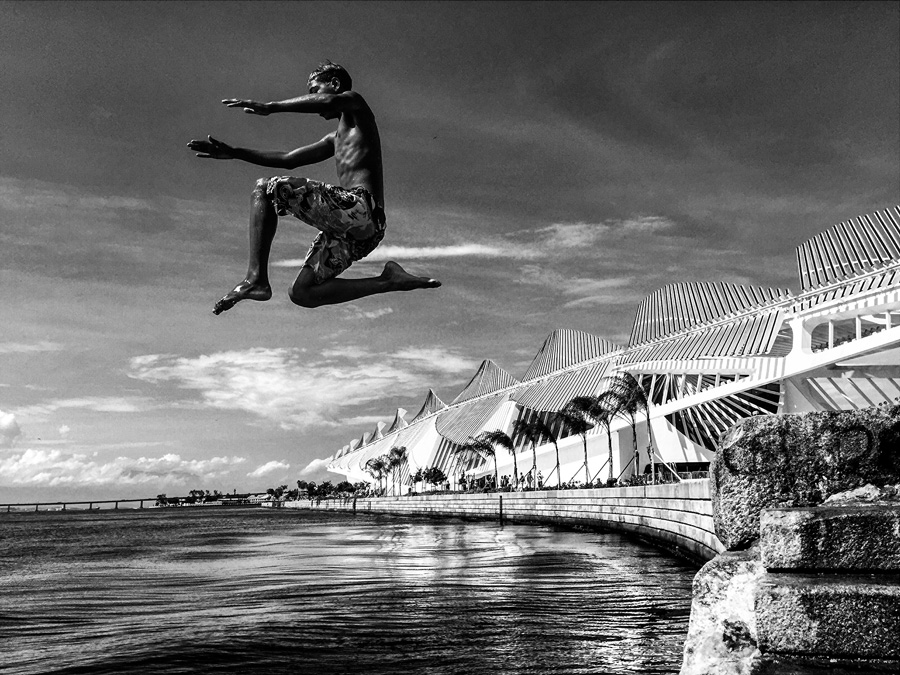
(300, 294)
(261, 189)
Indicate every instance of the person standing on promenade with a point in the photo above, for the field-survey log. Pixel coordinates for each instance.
(350, 217)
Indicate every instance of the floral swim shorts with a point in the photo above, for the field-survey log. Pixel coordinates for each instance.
(350, 224)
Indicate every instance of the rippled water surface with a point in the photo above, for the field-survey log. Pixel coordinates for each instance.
(263, 591)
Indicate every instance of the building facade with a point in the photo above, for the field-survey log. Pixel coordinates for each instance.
(705, 354)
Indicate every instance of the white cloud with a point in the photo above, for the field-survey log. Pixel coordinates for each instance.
(585, 235)
(269, 467)
(435, 358)
(64, 430)
(403, 253)
(23, 348)
(9, 429)
(357, 313)
(285, 386)
(113, 404)
(314, 467)
(582, 291)
(49, 467)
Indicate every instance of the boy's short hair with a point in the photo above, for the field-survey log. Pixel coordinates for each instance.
(329, 69)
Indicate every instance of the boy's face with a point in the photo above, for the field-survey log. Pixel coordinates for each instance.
(325, 85)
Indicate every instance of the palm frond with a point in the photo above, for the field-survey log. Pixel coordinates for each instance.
(498, 437)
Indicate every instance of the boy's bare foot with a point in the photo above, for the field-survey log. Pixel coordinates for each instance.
(245, 290)
(404, 281)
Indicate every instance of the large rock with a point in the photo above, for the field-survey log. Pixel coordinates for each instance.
(722, 632)
(798, 460)
(831, 538)
(833, 615)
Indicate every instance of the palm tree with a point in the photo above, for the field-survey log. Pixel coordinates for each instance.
(376, 468)
(536, 432)
(396, 457)
(498, 437)
(601, 413)
(626, 398)
(576, 414)
(480, 447)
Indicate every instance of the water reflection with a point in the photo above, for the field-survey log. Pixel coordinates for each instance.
(254, 590)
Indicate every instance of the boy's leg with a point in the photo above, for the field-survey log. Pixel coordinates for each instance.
(307, 293)
(263, 223)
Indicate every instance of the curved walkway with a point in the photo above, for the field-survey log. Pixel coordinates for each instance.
(677, 516)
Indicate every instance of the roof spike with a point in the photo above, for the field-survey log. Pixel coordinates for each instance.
(489, 378)
(399, 421)
(431, 405)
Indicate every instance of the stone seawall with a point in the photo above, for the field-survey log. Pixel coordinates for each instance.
(677, 517)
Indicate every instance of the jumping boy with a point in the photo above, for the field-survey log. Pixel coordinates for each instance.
(350, 217)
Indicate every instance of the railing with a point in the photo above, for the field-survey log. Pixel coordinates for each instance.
(64, 505)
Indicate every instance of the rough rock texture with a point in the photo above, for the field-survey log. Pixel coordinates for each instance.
(812, 665)
(829, 615)
(722, 632)
(799, 460)
(888, 495)
(831, 538)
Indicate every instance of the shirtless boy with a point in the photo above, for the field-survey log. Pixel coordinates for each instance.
(350, 217)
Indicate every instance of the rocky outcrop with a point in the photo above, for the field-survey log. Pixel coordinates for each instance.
(722, 632)
(809, 508)
(799, 460)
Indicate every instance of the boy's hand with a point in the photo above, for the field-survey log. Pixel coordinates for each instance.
(252, 107)
(212, 149)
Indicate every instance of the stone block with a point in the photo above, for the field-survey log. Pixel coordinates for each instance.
(846, 616)
(793, 460)
(831, 538)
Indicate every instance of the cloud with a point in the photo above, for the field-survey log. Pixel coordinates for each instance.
(314, 467)
(269, 467)
(385, 253)
(51, 468)
(9, 429)
(581, 234)
(287, 387)
(435, 358)
(582, 291)
(113, 404)
(357, 313)
(64, 430)
(22, 348)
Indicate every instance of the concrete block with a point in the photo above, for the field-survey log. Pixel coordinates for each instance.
(798, 460)
(854, 616)
(831, 538)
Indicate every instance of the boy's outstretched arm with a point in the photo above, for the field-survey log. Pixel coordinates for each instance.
(308, 103)
(308, 154)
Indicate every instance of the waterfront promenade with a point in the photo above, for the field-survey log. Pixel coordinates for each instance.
(674, 516)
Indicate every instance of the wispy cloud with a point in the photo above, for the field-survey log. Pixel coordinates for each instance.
(582, 291)
(285, 386)
(23, 348)
(356, 313)
(110, 404)
(582, 234)
(401, 253)
(269, 467)
(55, 468)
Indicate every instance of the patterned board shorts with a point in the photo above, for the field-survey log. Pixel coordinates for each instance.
(350, 224)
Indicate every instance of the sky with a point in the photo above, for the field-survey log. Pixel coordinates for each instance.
(551, 163)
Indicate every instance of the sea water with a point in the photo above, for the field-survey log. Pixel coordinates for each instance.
(216, 590)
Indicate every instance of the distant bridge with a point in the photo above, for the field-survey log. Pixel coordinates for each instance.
(85, 506)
